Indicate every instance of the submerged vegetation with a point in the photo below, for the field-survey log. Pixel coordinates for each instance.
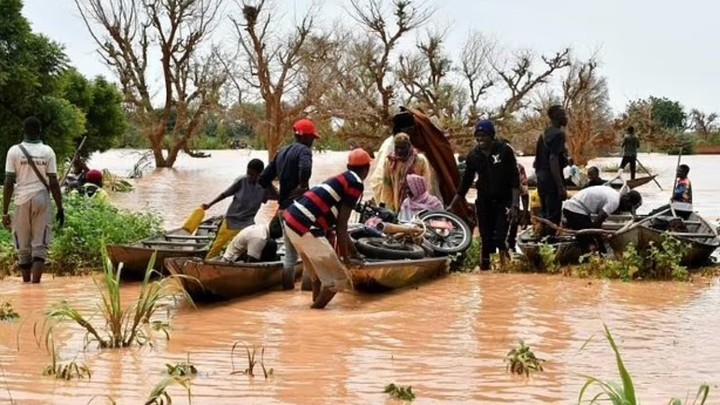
(252, 360)
(522, 361)
(124, 325)
(7, 312)
(400, 393)
(159, 394)
(624, 393)
(65, 371)
(181, 369)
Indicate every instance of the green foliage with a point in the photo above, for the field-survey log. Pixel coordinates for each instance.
(251, 356)
(669, 114)
(89, 222)
(124, 325)
(681, 140)
(101, 104)
(159, 394)
(626, 268)
(664, 260)
(7, 312)
(181, 369)
(400, 393)
(65, 371)
(547, 254)
(470, 259)
(624, 393)
(522, 361)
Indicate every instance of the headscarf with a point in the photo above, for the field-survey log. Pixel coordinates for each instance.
(408, 160)
(420, 199)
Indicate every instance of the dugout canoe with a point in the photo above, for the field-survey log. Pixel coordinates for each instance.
(213, 280)
(173, 243)
(701, 238)
(384, 275)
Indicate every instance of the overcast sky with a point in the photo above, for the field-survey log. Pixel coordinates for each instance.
(647, 47)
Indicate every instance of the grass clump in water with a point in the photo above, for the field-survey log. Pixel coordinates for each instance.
(624, 393)
(400, 393)
(547, 254)
(181, 369)
(65, 371)
(252, 360)
(522, 361)
(7, 312)
(124, 325)
(159, 394)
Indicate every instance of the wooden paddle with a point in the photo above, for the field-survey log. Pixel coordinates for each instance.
(648, 172)
(572, 231)
(75, 156)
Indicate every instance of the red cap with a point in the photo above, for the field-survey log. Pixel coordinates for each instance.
(94, 177)
(359, 157)
(305, 127)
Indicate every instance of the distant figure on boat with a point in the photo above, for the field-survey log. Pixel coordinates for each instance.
(256, 243)
(599, 201)
(593, 174)
(572, 175)
(418, 200)
(630, 145)
(247, 197)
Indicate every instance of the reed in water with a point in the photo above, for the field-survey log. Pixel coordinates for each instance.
(124, 325)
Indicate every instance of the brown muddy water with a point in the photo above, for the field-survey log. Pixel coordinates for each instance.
(446, 338)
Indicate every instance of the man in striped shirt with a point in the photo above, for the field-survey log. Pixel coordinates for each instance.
(308, 220)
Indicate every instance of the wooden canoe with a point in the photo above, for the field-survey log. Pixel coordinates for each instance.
(173, 243)
(616, 184)
(209, 280)
(701, 237)
(379, 276)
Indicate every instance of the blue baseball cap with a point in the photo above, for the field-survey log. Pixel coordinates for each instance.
(485, 126)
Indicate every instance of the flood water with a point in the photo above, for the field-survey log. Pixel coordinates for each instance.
(447, 338)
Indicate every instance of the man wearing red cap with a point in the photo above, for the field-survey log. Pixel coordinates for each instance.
(308, 220)
(292, 166)
(93, 186)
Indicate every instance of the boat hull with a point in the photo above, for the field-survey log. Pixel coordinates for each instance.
(217, 281)
(135, 259)
(387, 275)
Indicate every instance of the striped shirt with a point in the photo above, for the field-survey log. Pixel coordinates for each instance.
(318, 207)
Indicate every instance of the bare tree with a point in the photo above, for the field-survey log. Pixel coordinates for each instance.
(476, 65)
(383, 38)
(131, 34)
(271, 64)
(520, 79)
(705, 124)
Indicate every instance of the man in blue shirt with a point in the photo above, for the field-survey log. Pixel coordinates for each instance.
(292, 166)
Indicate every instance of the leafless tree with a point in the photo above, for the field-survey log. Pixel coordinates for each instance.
(271, 63)
(704, 124)
(131, 34)
(476, 65)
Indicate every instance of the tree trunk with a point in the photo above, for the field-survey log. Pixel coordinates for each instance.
(274, 128)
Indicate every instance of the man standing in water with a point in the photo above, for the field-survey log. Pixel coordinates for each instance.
(630, 145)
(31, 174)
(550, 160)
(292, 166)
(308, 220)
(247, 196)
(498, 190)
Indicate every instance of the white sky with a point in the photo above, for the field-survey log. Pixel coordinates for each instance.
(647, 47)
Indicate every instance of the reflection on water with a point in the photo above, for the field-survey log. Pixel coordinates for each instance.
(447, 338)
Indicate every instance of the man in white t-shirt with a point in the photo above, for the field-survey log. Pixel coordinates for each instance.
(255, 243)
(600, 201)
(31, 184)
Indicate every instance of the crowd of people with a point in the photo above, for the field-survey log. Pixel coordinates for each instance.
(416, 171)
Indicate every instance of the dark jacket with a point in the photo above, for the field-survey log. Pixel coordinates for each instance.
(292, 166)
(497, 174)
(550, 143)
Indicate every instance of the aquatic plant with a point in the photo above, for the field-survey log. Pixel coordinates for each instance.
(468, 260)
(625, 268)
(159, 394)
(116, 183)
(124, 325)
(521, 360)
(400, 393)
(664, 259)
(251, 356)
(547, 254)
(7, 312)
(181, 369)
(624, 393)
(65, 371)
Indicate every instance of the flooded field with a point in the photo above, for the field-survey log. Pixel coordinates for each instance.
(447, 339)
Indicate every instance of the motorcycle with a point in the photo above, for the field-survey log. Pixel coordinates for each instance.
(431, 233)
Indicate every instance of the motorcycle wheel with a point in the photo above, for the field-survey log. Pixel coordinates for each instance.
(381, 248)
(445, 241)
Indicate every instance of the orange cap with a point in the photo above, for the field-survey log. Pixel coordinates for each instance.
(305, 127)
(359, 157)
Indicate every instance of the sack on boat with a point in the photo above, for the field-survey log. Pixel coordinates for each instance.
(194, 220)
